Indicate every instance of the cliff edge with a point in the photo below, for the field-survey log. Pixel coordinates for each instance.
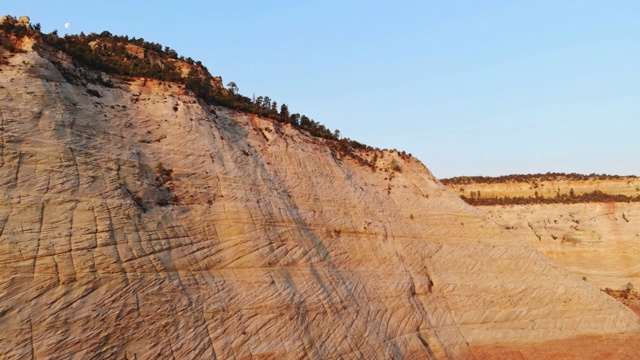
(138, 222)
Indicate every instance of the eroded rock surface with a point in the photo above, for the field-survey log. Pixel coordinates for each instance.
(141, 223)
(595, 240)
(598, 241)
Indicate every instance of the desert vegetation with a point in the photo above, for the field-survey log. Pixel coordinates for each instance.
(529, 178)
(627, 296)
(536, 184)
(595, 196)
(628, 292)
(125, 56)
(135, 57)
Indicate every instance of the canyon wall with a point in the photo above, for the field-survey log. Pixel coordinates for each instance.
(138, 222)
(595, 240)
(616, 185)
(598, 241)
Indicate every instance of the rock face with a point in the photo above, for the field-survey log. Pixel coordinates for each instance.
(596, 240)
(22, 20)
(137, 222)
(618, 185)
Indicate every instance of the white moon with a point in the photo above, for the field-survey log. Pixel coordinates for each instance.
(66, 25)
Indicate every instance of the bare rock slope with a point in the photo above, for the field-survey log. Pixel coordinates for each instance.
(145, 224)
(597, 240)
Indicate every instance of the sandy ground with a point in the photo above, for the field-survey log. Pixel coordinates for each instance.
(633, 305)
(584, 347)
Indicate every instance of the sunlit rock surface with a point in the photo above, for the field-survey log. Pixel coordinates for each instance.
(142, 224)
(595, 240)
(599, 241)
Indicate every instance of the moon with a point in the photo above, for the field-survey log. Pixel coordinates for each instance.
(66, 25)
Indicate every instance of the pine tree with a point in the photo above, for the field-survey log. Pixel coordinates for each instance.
(284, 113)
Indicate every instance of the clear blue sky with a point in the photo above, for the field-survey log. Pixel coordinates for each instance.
(468, 87)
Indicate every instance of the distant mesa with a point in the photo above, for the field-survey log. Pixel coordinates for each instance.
(549, 188)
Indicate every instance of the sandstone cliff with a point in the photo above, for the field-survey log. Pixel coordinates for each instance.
(595, 240)
(137, 222)
(545, 186)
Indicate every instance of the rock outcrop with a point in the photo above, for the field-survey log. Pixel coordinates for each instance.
(598, 241)
(537, 186)
(138, 222)
(595, 240)
(22, 20)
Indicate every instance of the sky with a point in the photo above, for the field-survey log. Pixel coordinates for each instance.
(468, 87)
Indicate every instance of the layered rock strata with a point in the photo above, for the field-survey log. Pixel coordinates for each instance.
(596, 240)
(535, 187)
(137, 222)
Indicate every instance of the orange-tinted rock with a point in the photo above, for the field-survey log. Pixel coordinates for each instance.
(141, 223)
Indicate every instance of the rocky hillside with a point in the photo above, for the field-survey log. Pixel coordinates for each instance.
(596, 239)
(137, 221)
